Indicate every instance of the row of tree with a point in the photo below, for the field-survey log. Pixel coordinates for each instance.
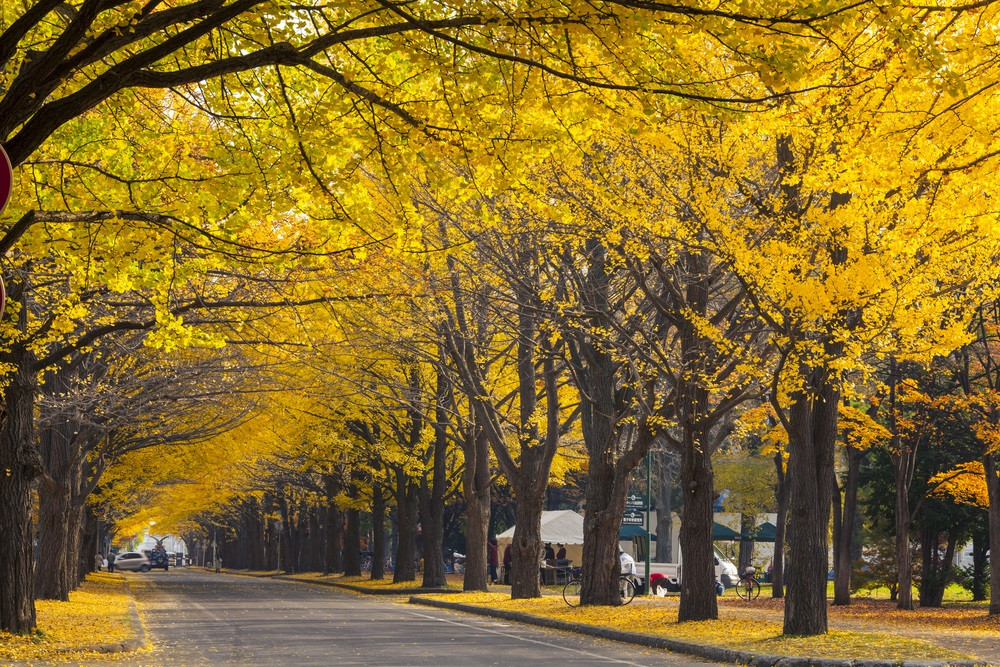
(411, 229)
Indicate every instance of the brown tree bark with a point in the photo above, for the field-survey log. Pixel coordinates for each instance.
(432, 495)
(936, 567)
(352, 544)
(698, 597)
(526, 546)
(664, 507)
(812, 425)
(406, 520)
(20, 465)
(334, 525)
(845, 541)
(993, 488)
(781, 520)
(378, 531)
(476, 489)
(528, 475)
(55, 581)
(615, 445)
(904, 460)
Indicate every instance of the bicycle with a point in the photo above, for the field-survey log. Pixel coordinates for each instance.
(748, 587)
(571, 591)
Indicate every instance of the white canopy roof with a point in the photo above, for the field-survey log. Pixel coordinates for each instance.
(558, 527)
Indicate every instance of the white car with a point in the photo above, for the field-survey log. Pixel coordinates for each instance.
(132, 560)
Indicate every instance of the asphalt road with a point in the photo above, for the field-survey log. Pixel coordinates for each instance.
(198, 618)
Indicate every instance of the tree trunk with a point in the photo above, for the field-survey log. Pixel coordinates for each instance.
(698, 596)
(936, 569)
(352, 544)
(526, 546)
(697, 479)
(432, 497)
(54, 581)
(75, 537)
(55, 496)
(334, 527)
(812, 426)
(476, 489)
(980, 549)
(845, 543)
(20, 464)
(745, 557)
(904, 578)
(406, 513)
(378, 532)
(993, 488)
(664, 508)
(781, 520)
(606, 491)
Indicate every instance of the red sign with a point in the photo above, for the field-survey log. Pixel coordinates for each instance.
(6, 178)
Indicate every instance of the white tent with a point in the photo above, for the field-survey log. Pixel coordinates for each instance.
(558, 527)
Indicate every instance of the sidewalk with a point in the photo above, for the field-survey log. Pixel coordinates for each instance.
(751, 636)
(100, 618)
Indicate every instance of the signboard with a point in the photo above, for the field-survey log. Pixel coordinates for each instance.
(633, 518)
(634, 501)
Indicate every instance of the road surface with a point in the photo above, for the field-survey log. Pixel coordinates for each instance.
(197, 618)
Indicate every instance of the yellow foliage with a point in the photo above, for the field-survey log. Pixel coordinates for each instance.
(965, 484)
(96, 614)
(658, 616)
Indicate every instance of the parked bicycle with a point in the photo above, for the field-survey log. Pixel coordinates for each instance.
(366, 562)
(748, 587)
(571, 591)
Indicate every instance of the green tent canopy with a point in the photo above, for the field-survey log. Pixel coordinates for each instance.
(764, 532)
(627, 532)
(722, 533)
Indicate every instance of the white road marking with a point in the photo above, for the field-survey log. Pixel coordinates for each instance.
(528, 639)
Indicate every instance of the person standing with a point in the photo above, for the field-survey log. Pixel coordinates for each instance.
(550, 553)
(491, 560)
(111, 561)
(98, 561)
(561, 554)
(508, 558)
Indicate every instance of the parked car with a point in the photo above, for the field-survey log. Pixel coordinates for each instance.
(132, 560)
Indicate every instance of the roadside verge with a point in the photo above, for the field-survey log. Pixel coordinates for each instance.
(362, 586)
(715, 653)
(100, 618)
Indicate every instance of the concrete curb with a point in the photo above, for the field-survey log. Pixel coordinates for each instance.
(137, 642)
(716, 653)
(366, 590)
(412, 590)
(261, 575)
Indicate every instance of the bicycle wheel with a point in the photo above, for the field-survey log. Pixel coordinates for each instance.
(748, 589)
(571, 592)
(627, 588)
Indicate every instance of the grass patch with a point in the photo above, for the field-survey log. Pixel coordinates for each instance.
(657, 616)
(96, 614)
